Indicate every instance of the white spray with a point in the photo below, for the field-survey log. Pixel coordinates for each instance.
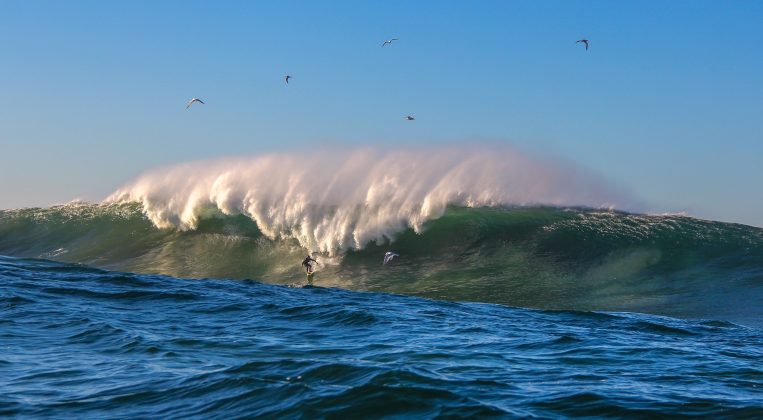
(336, 200)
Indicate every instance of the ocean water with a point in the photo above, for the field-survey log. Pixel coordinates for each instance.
(85, 343)
(499, 311)
(181, 295)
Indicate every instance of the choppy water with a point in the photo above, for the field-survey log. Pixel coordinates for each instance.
(80, 342)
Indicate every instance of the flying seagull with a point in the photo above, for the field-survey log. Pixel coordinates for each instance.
(388, 256)
(287, 77)
(389, 41)
(584, 41)
(192, 101)
(409, 118)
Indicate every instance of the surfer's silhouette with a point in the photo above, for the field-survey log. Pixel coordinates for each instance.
(306, 264)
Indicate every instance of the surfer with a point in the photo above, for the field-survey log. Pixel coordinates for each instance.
(306, 263)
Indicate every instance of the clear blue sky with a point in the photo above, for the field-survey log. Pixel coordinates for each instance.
(668, 102)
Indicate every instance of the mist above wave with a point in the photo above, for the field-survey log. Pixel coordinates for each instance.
(339, 199)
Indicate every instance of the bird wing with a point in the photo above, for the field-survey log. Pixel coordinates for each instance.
(192, 101)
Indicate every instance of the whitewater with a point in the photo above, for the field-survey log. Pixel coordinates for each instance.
(340, 199)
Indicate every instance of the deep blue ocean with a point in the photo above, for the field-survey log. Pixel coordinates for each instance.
(522, 312)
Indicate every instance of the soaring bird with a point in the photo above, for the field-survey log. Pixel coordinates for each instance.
(389, 41)
(584, 41)
(287, 77)
(192, 101)
(388, 256)
(409, 118)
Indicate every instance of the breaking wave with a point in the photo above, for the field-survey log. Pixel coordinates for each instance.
(488, 225)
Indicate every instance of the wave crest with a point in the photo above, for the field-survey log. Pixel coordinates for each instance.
(335, 200)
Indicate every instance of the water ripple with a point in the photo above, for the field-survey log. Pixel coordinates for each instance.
(77, 342)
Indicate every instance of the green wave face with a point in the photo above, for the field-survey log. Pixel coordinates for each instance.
(548, 258)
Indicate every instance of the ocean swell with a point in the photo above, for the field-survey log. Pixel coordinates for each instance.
(537, 257)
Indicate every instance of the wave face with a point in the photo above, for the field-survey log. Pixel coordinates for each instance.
(537, 257)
